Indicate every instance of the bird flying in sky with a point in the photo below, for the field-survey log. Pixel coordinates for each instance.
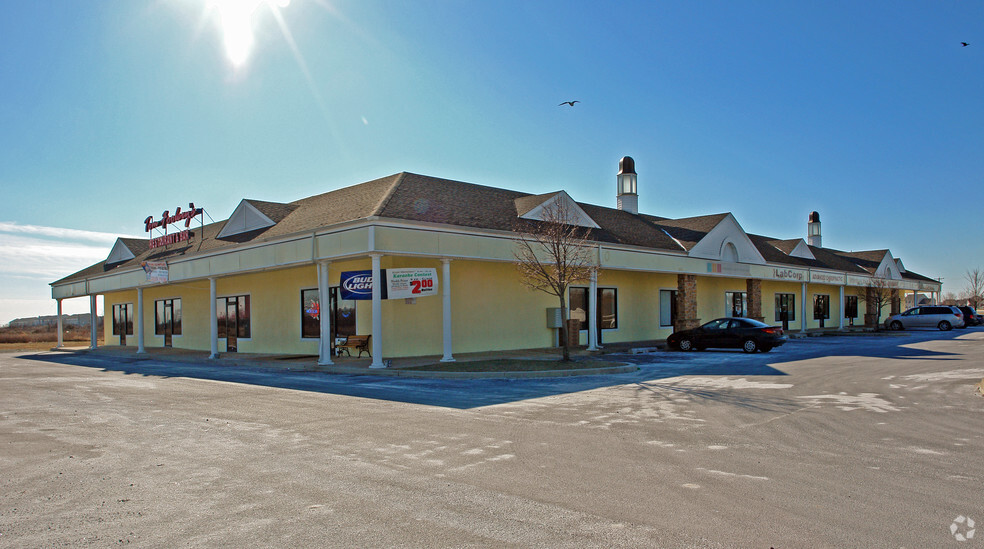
(964, 44)
(571, 103)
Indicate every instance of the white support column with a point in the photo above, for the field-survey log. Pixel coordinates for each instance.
(213, 321)
(803, 309)
(593, 312)
(377, 313)
(93, 322)
(61, 328)
(840, 322)
(324, 341)
(446, 282)
(140, 322)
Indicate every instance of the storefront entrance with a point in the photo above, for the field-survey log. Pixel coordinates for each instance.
(342, 317)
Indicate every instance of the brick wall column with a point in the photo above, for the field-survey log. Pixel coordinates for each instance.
(686, 303)
(754, 293)
(896, 303)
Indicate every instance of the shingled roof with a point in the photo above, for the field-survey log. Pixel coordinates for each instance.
(418, 198)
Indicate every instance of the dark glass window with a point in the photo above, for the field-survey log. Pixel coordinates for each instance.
(232, 316)
(310, 313)
(123, 319)
(821, 307)
(167, 315)
(736, 304)
(786, 303)
(608, 308)
(851, 306)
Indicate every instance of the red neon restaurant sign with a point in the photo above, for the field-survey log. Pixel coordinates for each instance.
(167, 219)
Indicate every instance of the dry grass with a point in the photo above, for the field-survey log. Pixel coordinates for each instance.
(42, 338)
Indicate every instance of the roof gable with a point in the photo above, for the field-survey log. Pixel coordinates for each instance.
(120, 253)
(244, 219)
(727, 241)
(802, 250)
(560, 202)
(888, 268)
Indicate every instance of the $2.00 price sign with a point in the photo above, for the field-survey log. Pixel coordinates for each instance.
(403, 283)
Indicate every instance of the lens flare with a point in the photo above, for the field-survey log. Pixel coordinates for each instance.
(236, 18)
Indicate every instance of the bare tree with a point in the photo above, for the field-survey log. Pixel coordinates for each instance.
(949, 298)
(975, 287)
(551, 254)
(876, 294)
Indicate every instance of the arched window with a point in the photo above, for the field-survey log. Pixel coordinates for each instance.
(729, 253)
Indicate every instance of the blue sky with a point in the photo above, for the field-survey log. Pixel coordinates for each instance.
(869, 112)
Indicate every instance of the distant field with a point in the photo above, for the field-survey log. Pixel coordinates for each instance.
(42, 338)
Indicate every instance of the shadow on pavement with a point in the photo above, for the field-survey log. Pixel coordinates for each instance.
(474, 393)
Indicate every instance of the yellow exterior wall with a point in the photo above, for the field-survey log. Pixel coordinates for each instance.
(710, 295)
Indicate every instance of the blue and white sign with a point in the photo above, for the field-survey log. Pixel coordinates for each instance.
(358, 284)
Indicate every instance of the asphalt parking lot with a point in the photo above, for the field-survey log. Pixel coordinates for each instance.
(862, 441)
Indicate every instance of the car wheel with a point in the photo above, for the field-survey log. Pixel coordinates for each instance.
(896, 325)
(944, 326)
(749, 346)
(686, 344)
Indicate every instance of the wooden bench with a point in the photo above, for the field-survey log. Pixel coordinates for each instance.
(358, 342)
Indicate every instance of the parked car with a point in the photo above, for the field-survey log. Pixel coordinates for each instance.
(971, 318)
(739, 333)
(942, 317)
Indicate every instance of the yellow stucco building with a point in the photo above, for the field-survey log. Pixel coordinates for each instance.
(293, 278)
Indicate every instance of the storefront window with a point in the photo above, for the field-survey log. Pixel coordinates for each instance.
(735, 304)
(167, 316)
(578, 302)
(310, 314)
(608, 308)
(785, 303)
(821, 307)
(851, 306)
(233, 316)
(667, 307)
(123, 319)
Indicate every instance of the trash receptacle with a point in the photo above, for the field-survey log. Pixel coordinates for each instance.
(573, 332)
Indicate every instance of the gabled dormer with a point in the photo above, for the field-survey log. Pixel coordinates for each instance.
(802, 250)
(244, 219)
(543, 206)
(727, 242)
(125, 250)
(888, 268)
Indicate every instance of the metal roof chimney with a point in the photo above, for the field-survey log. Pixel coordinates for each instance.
(627, 197)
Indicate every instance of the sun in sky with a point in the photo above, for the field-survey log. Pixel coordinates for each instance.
(236, 19)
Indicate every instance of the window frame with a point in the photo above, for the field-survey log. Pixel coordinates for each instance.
(674, 311)
(303, 312)
(792, 311)
(129, 318)
(249, 314)
(174, 325)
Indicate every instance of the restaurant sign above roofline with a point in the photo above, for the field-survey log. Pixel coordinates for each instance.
(167, 218)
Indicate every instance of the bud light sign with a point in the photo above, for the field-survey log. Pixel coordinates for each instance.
(358, 284)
